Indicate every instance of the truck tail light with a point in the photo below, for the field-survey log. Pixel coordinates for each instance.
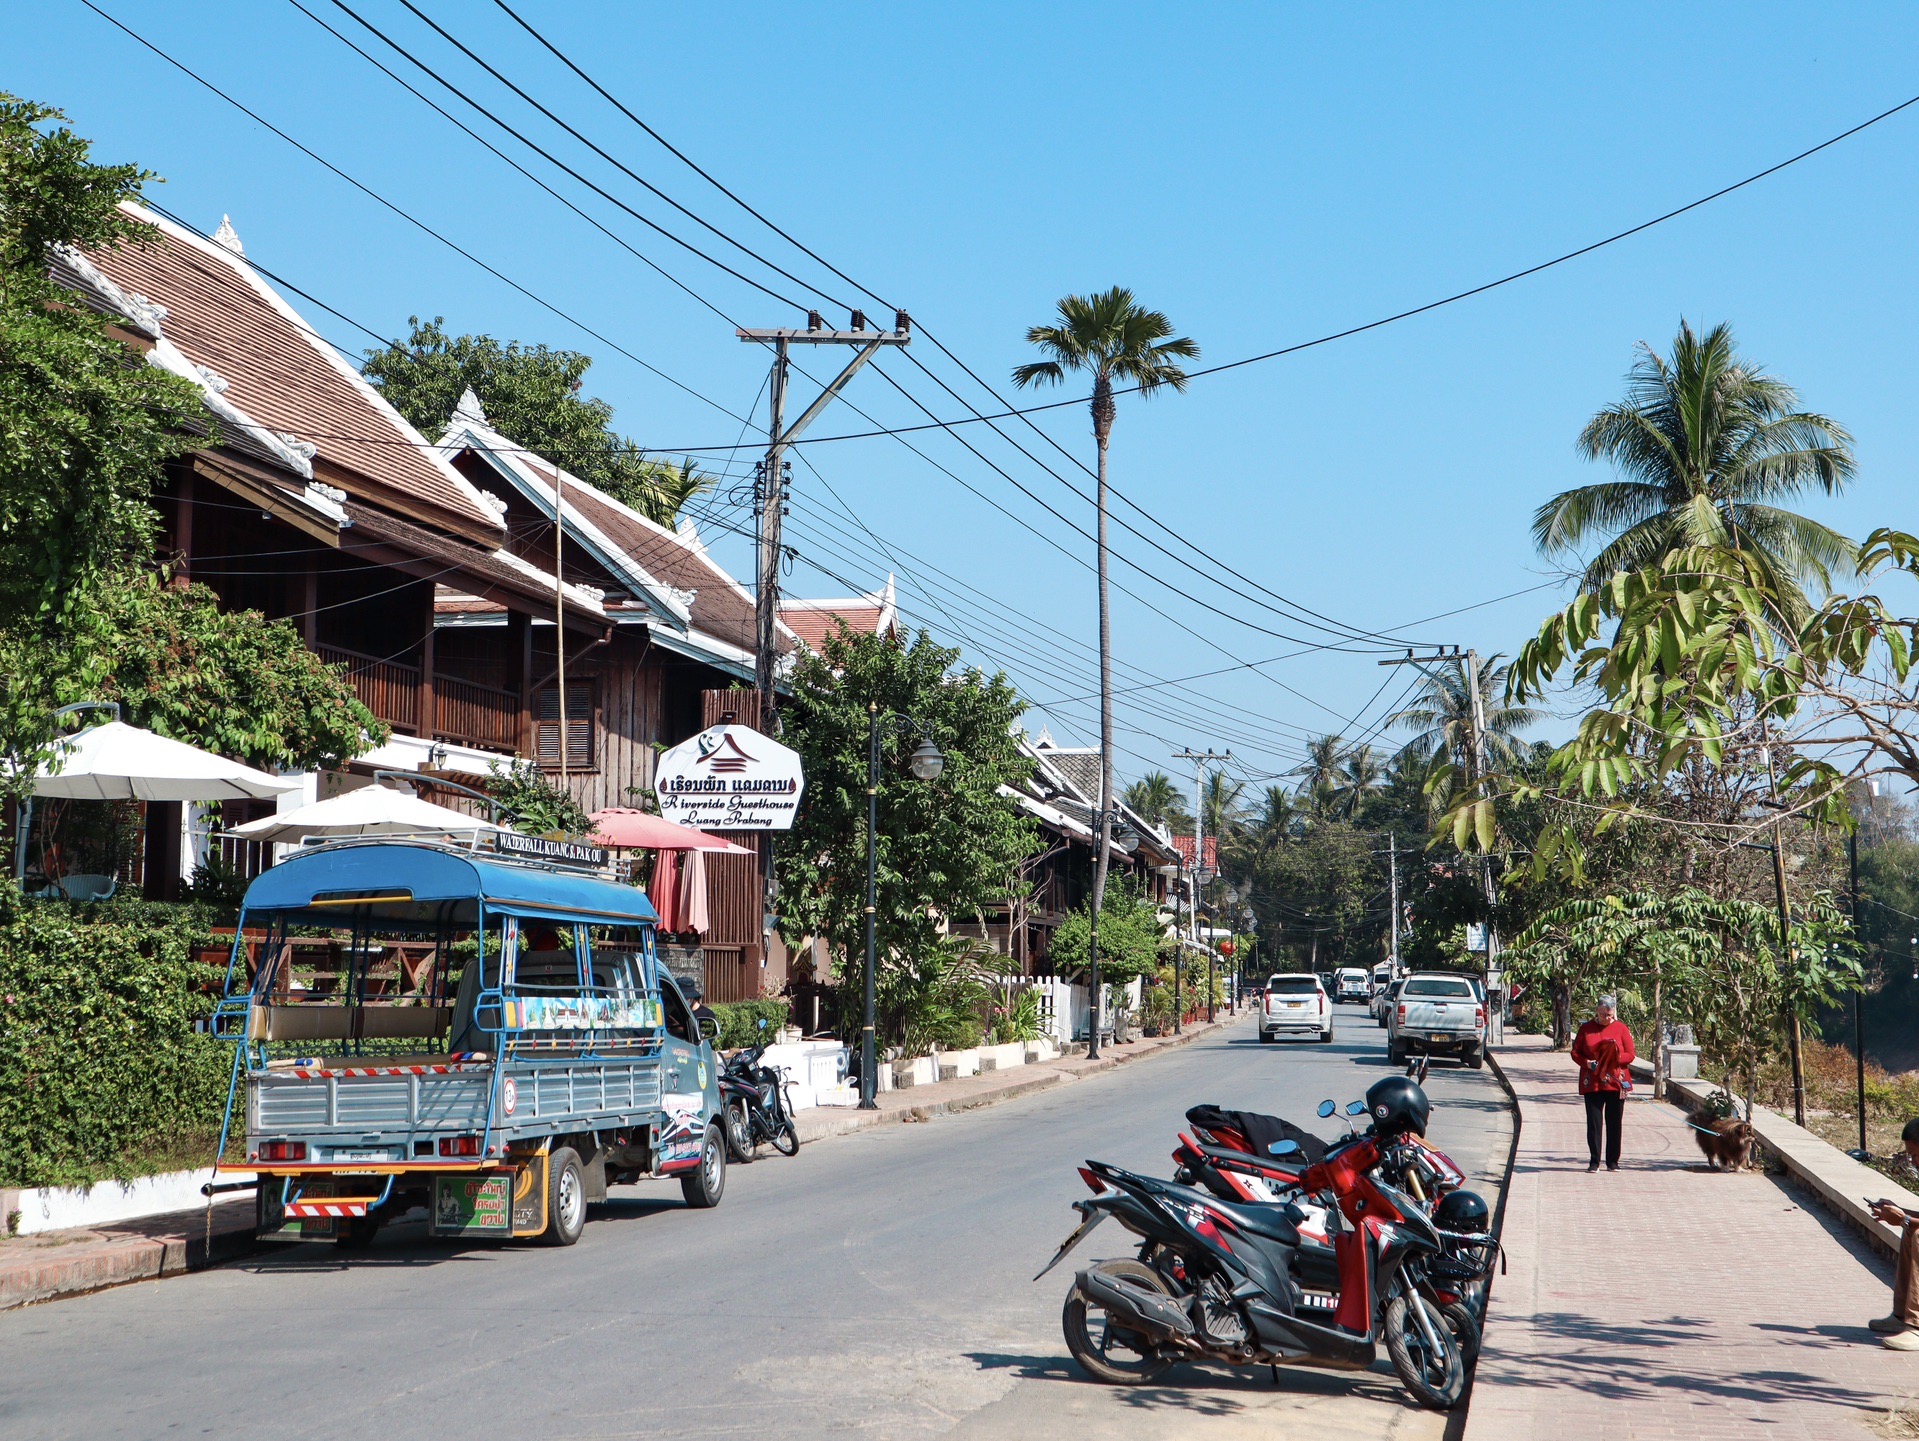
(459, 1145)
(1479, 1015)
(1402, 1014)
(283, 1150)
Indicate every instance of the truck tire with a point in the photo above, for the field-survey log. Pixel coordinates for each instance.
(706, 1183)
(1475, 1058)
(1395, 1054)
(1326, 1036)
(1265, 1038)
(565, 1198)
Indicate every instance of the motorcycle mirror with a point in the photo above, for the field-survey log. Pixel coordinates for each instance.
(709, 1028)
(762, 1023)
(1326, 1108)
(1284, 1148)
(1356, 1108)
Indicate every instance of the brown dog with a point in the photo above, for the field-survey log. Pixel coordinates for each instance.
(1726, 1142)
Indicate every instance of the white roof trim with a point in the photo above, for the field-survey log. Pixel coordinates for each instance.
(332, 357)
(577, 595)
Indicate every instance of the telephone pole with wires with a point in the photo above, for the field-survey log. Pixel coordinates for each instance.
(773, 471)
(1200, 876)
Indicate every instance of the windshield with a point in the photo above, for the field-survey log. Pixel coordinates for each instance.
(1293, 985)
(1439, 986)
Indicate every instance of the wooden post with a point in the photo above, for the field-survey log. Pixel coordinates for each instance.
(429, 693)
(183, 529)
(519, 649)
(310, 606)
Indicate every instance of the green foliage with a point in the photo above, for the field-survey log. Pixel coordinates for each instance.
(740, 1021)
(231, 682)
(1017, 1018)
(1130, 936)
(98, 1060)
(1156, 798)
(1112, 337)
(946, 847)
(530, 394)
(933, 997)
(531, 803)
(83, 432)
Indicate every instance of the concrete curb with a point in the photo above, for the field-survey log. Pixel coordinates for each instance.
(844, 1122)
(1460, 1418)
(1840, 1184)
(97, 1260)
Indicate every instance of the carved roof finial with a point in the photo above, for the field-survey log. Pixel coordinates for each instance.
(229, 237)
(469, 408)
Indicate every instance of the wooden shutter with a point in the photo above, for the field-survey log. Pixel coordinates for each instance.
(580, 750)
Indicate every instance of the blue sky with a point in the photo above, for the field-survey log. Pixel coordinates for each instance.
(1265, 175)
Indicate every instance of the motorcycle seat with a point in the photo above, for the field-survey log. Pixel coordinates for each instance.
(1267, 1221)
(1278, 1166)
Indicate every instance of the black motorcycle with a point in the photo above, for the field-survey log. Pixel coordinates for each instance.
(1219, 1281)
(753, 1099)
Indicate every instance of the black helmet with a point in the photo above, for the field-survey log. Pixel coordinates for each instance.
(1397, 1107)
(1463, 1211)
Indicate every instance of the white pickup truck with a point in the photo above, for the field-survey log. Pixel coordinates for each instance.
(1440, 1014)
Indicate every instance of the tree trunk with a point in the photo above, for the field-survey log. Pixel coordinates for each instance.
(1102, 432)
(1658, 1035)
(1562, 1014)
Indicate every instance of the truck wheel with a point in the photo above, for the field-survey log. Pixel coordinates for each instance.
(1476, 1059)
(1265, 1038)
(356, 1233)
(704, 1186)
(1395, 1055)
(565, 1198)
(1326, 1036)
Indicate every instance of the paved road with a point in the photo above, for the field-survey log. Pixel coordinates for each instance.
(878, 1282)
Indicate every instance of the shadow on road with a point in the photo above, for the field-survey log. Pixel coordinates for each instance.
(1206, 1391)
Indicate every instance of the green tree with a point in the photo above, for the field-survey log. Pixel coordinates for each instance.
(531, 803)
(1130, 936)
(532, 394)
(1706, 444)
(1319, 772)
(1361, 774)
(1440, 716)
(1113, 338)
(1219, 803)
(1156, 797)
(83, 433)
(946, 847)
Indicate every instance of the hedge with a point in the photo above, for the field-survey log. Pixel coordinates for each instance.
(99, 1061)
(740, 1022)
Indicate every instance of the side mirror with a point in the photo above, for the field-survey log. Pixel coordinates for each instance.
(1284, 1148)
(1356, 1108)
(709, 1028)
(1326, 1108)
(762, 1023)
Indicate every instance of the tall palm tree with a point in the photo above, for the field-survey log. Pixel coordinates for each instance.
(1320, 772)
(1156, 797)
(1219, 804)
(1278, 810)
(1361, 773)
(1705, 443)
(1441, 717)
(1112, 337)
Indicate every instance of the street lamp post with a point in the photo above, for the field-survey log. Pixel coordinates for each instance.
(927, 763)
(1178, 868)
(1104, 823)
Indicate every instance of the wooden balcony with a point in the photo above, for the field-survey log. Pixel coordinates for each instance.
(466, 712)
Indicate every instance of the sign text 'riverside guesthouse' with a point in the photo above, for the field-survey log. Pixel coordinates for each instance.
(730, 778)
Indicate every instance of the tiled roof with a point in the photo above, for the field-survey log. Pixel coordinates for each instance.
(223, 316)
(814, 620)
(488, 571)
(674, 563)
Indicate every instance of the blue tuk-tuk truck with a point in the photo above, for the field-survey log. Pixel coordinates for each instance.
(485, 1035)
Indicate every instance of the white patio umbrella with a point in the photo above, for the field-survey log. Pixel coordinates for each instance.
(119, 762)
(368, 811)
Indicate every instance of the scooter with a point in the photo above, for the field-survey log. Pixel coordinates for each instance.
(1226, 1281)
(753, 1101)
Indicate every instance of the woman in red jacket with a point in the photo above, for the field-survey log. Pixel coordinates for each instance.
(1604, 1052)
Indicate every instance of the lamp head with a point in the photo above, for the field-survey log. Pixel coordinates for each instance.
(927, 762)
(1127, 839)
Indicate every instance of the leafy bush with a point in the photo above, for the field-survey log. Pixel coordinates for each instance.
(532, 803)
(1019, 1019)
(935, 998)
(1129, 937)
(99, 1062)
(740, 1021)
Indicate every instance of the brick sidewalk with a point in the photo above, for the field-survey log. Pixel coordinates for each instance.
(66, 1263)
(1667, 1301)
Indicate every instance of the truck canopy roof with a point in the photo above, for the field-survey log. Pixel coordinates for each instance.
(400, 881)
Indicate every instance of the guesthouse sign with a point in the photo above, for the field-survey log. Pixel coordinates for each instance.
(730, 778)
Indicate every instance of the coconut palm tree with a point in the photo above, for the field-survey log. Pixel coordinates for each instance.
(1705, 444)
(1156, 797)
(1360, 774)
(1320, 772)
(1113, 338)
(1441, 717)
(1219, 803)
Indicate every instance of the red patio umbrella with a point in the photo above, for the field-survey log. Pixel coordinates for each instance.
(628, 829)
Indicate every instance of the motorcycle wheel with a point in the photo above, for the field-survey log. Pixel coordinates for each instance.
(739, 1132)
(1464, 1325)
(1107, 1352)
(1436, 1377)
(786, 1140)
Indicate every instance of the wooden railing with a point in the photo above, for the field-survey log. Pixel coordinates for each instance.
(477, 715)
(387, 688)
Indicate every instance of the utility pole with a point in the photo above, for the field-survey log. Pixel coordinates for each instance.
(1199, 759)
(778, 437)
(772, 506)
(1392, 871)
(1785, 921)
(1476, 767)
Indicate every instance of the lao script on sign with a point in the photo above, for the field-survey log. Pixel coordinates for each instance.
(730, 778)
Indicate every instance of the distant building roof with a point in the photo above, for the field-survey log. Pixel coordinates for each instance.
(813, 621)
(257, 354)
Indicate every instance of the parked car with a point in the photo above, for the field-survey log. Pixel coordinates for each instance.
(1296, 1004)
(1437, 1014)
(1351, 983)
(1385, 999)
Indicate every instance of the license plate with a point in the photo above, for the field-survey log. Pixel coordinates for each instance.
(380, 1155)
(1441, 1036)
(1295, 1005)
(1079, 1234)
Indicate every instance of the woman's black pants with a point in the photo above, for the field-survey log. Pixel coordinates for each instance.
(1607, 1108)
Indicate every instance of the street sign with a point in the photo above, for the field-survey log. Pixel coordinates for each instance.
(730, 778)
(1475, 937)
